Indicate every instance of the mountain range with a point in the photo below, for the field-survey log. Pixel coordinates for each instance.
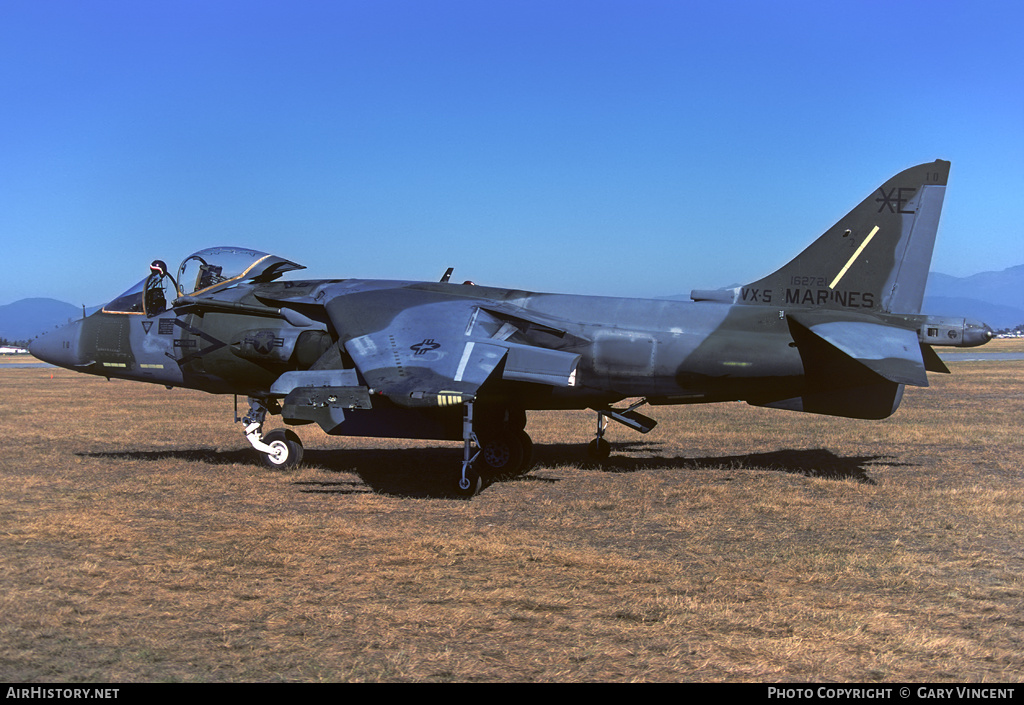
(997, 298)
(27, 318)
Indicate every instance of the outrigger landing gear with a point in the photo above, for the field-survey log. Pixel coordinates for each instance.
(280, 449)
(501, 449)
(599, 448)
(469, 483)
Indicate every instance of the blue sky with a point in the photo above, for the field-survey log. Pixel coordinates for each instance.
(637, 148)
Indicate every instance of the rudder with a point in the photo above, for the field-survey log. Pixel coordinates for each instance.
(876, 258)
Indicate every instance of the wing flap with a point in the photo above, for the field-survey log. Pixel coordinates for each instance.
(526, 363)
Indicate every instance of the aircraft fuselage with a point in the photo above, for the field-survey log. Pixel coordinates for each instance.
(837, 331)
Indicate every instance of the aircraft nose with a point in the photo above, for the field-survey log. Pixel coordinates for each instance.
(59, 347)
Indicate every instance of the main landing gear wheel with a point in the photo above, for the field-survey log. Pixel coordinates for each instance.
(505, 454)
(287, 449)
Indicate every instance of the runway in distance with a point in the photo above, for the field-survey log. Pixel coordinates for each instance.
(837, 331)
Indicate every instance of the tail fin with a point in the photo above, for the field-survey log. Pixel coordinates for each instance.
(875, 259)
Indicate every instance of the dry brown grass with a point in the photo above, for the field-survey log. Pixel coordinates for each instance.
(16, 359)
(1004, 345)
(140, 542)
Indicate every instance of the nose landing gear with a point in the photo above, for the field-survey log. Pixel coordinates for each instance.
(287, 449)
(280, 449)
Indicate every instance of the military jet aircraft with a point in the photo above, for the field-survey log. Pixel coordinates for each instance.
(837, 331)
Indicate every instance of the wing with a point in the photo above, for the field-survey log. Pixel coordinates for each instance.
(427, 348)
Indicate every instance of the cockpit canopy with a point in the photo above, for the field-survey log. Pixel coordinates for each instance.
(199, 273)
(216, 266)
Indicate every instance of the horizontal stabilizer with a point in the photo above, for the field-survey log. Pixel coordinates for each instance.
(890, 352)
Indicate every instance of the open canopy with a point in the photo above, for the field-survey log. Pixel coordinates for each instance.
(201, 272)
(220, 266)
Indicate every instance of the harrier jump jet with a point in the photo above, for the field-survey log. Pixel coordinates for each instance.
(837, 331)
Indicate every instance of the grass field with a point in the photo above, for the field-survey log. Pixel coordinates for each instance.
(141, 542)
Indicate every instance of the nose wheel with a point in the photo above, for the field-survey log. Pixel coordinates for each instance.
(280, 449)
(286, 449)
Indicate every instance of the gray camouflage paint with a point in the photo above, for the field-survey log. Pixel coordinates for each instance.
(837, 330)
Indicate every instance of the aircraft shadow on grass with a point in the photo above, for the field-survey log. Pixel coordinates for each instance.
(211, 456)
(414, 472)
(815, 462)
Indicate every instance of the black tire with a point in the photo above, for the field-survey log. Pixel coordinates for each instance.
(599, 449)
(288, 447)
(501, 453)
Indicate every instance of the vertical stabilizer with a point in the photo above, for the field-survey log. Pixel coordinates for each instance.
(875, 259)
